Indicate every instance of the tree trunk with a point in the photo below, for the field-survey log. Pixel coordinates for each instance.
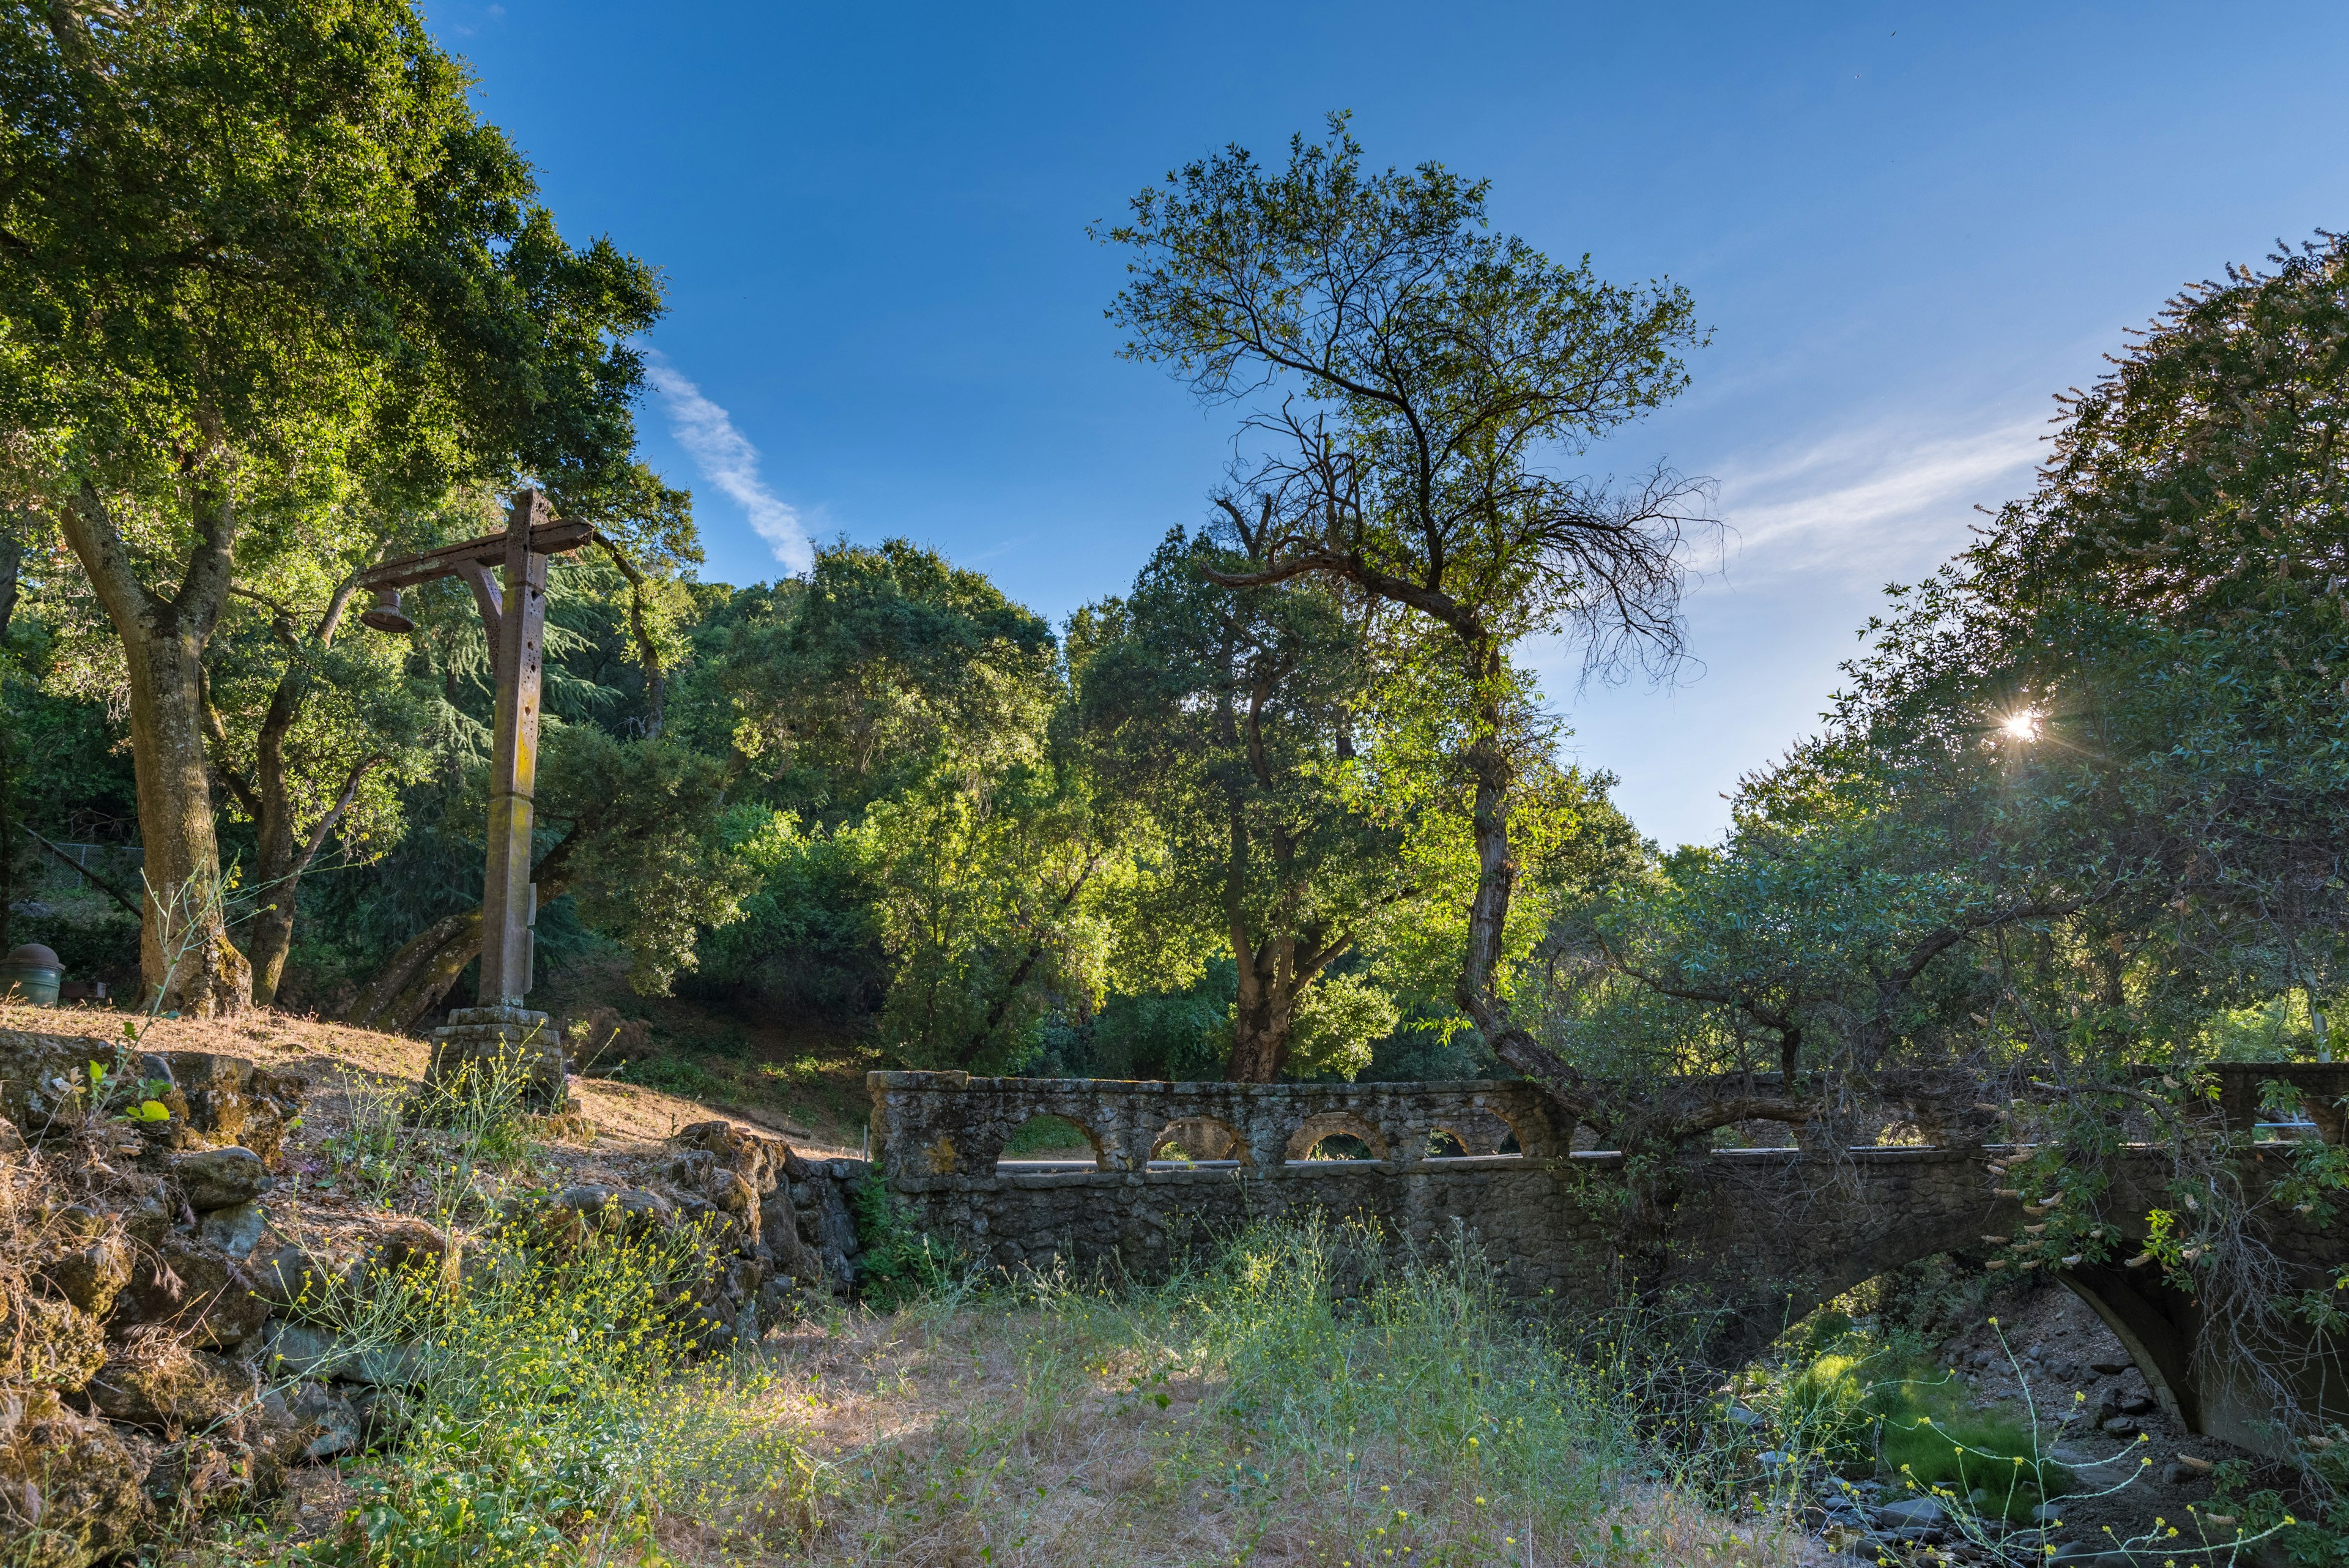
(420, 974)
(1488, 912)
(1260, 1023)
(412, 982)
(185, 957)
(268, 799)
(12, 555)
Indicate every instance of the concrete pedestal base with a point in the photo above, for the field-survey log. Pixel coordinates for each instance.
(482, 1037)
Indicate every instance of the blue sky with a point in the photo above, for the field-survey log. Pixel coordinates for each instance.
(1908, 226)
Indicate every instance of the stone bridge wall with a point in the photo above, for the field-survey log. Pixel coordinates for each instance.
(1768, 1234)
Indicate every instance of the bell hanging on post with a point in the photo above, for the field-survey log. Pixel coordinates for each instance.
(385, 615)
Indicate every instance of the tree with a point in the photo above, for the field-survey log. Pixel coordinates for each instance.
(2081, 798)
(2142, 663)
(1227, 716)
(312, 737)
(638, 839)
(249, 255)
(1409, 378)
(894, 713)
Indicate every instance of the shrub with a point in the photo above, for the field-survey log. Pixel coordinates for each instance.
(559, 1410)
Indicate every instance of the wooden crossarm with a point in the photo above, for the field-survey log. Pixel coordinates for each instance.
(489, 550)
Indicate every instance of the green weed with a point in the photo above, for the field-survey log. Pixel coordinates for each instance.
(559, 1411)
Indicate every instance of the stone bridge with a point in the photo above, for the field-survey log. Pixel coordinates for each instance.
(1766, 1234)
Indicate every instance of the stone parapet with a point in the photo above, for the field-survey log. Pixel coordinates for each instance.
(941, 1123)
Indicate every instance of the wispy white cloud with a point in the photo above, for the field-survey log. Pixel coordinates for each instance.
(1886, 498)
(728, 459)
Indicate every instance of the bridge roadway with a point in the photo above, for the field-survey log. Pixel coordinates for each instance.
(1762, 1235)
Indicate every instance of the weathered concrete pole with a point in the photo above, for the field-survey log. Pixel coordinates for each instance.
(509, 898)
(500, 1030)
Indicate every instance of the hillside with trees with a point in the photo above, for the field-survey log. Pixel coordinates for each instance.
(278, 304)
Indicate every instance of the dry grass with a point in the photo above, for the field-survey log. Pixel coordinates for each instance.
(1251, 1415)
(623, 1115)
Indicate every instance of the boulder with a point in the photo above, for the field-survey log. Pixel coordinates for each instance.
(93, 1274)
(221, 1178)
(75, 1480)
(294, 1277)
(324, 1422)
(195, 1291)
(235, 1230)
(45, 1081)
(404, 1251)
(303, 1350)
(1912, 1510)
(48, 1344)
(761, 1161)
(231, 1101)
(176, 1392)
(212, 1472)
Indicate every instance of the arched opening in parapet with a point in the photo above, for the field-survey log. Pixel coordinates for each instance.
(1336, 1134)
(1475, 1135)
(1045, 1143)
(1197, 1140)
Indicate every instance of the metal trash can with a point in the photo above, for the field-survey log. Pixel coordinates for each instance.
(31, 973)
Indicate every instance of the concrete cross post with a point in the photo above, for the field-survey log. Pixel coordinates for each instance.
(500, 1030)
(508, 907)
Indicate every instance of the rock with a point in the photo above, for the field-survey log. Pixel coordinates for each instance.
(2048, 1514)
(2119, 1427)
(383, 1413)
(175, 1392)
(778, 1233)
(211, 1471)
(401, 1249)
(301, 1350)
(294, 1276)
(326, 1421)
(47, 1343)
(195, 1291)
(235, 1230)
(2134, 1404)
(75, 1478)
(1739, 1415)
(2108, 1368)
(229, 1100)
(733, 1192)
(630, 1210)
(586, 1197)
(761, 1161)
(45, 1081)
(92, 1277)
(1912, 1510)
(221, 1178)
(2175, 1474)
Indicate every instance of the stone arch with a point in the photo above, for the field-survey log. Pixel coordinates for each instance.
(1314, 1128)
(1201, 1137)
(1092, 1138)
(1478, 1131)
